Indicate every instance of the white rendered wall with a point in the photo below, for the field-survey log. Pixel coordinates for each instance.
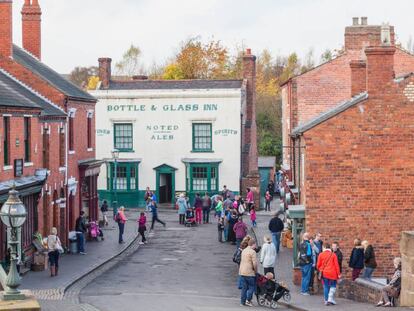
(148, 109)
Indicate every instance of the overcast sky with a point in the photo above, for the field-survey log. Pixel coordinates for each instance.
(77, 32)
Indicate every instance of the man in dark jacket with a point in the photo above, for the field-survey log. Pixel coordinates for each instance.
(338, 253)
(81, 229)
(276, 227)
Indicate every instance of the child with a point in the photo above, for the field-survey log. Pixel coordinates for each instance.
(253, 216)
(220, 228)
(268, 198)
(142, 228)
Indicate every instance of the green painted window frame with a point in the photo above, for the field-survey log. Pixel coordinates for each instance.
(127, 166)
(27, 136)
(209, 167)
(6, 141)
(195, 149)
(131, 149)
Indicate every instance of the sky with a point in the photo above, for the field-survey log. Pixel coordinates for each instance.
(78, 32)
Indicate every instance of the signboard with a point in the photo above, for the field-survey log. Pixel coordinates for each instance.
(18, 167)
(162, 131)
(165, 108)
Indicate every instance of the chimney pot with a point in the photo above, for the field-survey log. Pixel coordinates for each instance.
(364, 21)
(355, 21)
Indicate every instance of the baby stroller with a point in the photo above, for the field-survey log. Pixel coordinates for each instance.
(94, 231)
(190, 218)
(268, 292)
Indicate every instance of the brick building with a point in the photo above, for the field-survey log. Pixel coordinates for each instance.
(309, 94)
(63, 144)
(177, 136)
(355, 167)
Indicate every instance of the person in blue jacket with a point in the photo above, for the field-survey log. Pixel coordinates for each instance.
(356, 261)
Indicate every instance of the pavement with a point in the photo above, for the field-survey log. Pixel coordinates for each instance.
(73, 267)
(179, 269)
(283, 271)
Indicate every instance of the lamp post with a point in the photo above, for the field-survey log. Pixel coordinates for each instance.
(115, 156)
(13, 215)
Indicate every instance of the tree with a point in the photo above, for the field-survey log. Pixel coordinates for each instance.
(326, 56)
(309, 61)
(80, 75)
(198, 60)
(130, 64)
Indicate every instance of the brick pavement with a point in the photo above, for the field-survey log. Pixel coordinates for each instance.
(283, 271)
(74, 268)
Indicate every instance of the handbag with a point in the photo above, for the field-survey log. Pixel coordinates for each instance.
(59, 247)
(320, 273)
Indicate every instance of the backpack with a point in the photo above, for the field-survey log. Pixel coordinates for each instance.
(237, 256)
(117, 217)
(304, 259)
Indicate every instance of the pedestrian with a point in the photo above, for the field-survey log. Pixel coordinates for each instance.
(228, 203)
(142, 227)
(232, 220)
(152, 206)
(224, 192)
(253, 217)
(198, 206)
(104, 210)
(219, 207)
(338, 253)
(369, 260)
(154, 197)
(271, 189)
(206, 208)
(81, 228)
(249, 199)
(276, 227)
(121, 219)
(182, 208)
(268, 255)
(329, 271)
(220, 229)
(54, 249)
(305, 262)
(268, 198)
(356, 261)
(240, 230)
(247, 272)
(318, 243)
(148, 194)
(315, 251)
(226, 216)
(393, 289)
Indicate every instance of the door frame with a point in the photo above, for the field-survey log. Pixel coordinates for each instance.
(165, 169)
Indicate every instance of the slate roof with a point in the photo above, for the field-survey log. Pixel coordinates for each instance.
(46, 73)
(175, 84)
(329, 114)
(13, 93)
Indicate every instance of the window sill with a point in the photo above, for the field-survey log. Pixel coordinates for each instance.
(202, 151)
(27, 164)
(71, 152)
(7, 167)
(90, 149)
(126, 150)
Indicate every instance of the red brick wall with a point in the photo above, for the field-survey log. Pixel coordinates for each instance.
(359, 175)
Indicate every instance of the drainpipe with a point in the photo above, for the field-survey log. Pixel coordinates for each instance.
(67, 169)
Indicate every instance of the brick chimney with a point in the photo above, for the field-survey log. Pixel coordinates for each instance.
(105, 71)
(249, 74)
(358, 77)
(31, 27)
(361, 35)
(6, 38)
(380, 68)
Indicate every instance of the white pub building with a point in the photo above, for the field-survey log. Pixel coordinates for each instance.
(173, 136)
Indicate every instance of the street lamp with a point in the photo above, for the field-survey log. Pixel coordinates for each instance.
(115, 157)
(13, 215)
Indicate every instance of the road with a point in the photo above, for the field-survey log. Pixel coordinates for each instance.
(180, 269)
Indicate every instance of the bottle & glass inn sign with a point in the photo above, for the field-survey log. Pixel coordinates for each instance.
(161, 108)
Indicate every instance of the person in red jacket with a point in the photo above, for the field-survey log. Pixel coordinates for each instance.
(329, 267)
